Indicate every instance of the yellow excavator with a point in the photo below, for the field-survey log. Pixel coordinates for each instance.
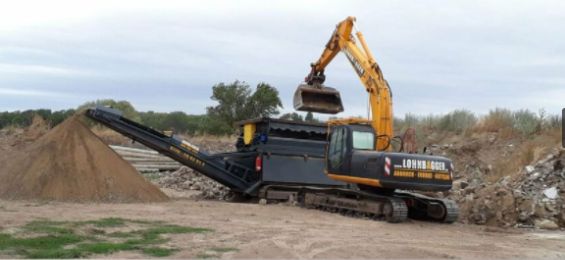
(359, 151)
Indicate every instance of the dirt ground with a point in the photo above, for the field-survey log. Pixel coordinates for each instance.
(283, 231)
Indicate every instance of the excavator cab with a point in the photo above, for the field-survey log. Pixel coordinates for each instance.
(351, 157)
(344, 140)
(317, 98)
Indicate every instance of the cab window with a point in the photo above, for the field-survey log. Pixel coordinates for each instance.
(337, 148)
(363, 140)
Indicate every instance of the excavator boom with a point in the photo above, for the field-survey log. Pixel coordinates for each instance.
(315, 97)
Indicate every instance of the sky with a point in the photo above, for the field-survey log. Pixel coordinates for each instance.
(166, 55)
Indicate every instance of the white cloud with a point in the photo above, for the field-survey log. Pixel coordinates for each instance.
(38, 70)
(11, 92)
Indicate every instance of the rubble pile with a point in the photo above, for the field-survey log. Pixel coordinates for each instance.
(533, 197)
(187, 179)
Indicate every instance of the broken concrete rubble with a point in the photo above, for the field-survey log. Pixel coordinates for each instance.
(533, 198)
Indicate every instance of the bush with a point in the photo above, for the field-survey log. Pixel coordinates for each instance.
(497, 119)
(457, 121)
(526, 122)
(410, 120)
(553, 122)
(430, 122)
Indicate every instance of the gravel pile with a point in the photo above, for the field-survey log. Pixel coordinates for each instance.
(187, 179)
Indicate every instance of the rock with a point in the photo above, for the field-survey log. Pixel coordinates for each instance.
(561, 218)
(534, 176)
(557, 165)
(501, 192)
(540, 211)
(550, 208)
(546, 159)
(469, 198)
(505, 181)
(523, 216)
(529, 169)
(492, 138)
(550, 193)
(262, 202)
(463, 184)
(469, 190)
(517, 193)
(546, 224)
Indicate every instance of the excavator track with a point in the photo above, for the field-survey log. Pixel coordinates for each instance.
(427, 208)
(344, 201)
(394, 208)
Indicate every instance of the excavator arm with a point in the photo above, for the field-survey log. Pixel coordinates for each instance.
(333, 47)
(313, 96)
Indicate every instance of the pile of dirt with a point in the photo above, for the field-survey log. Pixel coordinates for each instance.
(12, 138)
(70, 163)
(37, 129)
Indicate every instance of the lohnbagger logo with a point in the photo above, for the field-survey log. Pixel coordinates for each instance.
(413, 164)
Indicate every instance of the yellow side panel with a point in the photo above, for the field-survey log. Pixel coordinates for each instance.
(352, 179)
(248, 133)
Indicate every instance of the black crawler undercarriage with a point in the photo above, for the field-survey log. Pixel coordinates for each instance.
(392, 207)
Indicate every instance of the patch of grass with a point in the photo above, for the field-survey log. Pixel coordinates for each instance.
(47, 227)
(148, 222)
(119, 234)
(59, 239)
(205, 256)
(158, 251)
(108, 222)
(104, 247)
(53, 253)
(47, 246)
(223, 249)
(173, 229)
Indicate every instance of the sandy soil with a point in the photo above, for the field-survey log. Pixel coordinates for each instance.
(281, 231)
(70, 163)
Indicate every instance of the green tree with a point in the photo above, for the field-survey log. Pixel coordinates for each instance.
(264, 102)
(127, 109)
(310, 118)
(153, 119)
(236, 103)
(292, 117)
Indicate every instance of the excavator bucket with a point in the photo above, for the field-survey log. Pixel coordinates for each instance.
(317, 99)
